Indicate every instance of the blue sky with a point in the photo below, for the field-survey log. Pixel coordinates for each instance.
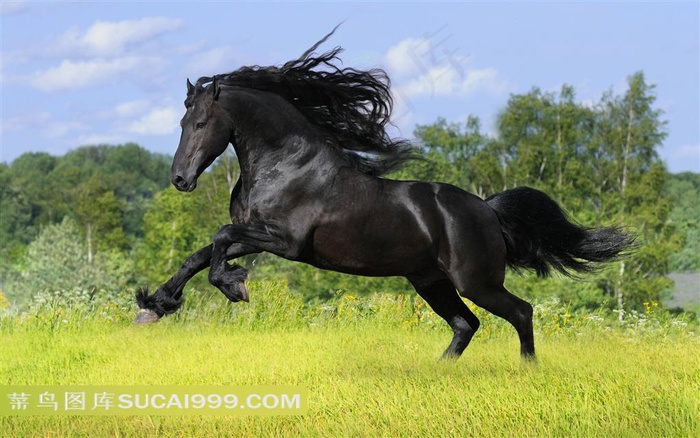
(76, 73)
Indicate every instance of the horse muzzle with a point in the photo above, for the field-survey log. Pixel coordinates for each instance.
(183, 184)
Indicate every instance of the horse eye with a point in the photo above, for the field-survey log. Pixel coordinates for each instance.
(201, 125)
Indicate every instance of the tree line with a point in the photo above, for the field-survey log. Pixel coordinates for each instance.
(105, 217)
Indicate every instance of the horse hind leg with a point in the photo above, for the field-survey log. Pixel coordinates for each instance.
(518, 312)
(442, 297)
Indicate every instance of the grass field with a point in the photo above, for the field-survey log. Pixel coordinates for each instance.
(370, 366)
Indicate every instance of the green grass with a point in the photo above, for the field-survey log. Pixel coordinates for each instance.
(370, 366)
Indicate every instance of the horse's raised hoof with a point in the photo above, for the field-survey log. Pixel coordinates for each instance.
(236, 292)
(146, 316)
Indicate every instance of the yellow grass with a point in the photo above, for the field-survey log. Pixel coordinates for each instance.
(366, 377)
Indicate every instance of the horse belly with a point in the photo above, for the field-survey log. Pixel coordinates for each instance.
(364, 250)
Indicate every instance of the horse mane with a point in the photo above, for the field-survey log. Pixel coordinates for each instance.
(352, 106)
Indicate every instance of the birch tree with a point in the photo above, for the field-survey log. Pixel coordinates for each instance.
(632, 178)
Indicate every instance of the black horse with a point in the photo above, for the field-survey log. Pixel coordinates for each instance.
(311, 141)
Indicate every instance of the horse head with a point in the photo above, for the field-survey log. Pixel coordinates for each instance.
(206, 131)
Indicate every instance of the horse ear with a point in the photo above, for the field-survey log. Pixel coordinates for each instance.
(190, 88)
(216, 90)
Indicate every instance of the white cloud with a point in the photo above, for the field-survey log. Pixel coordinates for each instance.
(487, 80)
(406, 58)
(437, 80)
(106, 52)
(112, 39)
(447, 80)
(142, 117)
(74, 75)
(158, 121)
(424, 67)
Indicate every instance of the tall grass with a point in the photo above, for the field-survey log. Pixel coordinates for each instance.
(274, 306)
(369, 363)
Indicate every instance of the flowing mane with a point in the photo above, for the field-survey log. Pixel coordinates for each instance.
(352, 106)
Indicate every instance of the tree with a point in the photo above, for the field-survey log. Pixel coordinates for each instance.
(57, 261)
(99, 212)
(15, 214)
(449, 149)
(105, 189)
(540, 142)
(38, 189)
(133, 174)
(29, 192)
(684, 191)
(631, 178)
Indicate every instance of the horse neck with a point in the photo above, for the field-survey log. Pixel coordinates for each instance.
(270, 134)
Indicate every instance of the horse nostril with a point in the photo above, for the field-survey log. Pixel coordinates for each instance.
(179, 181)
(182, 184)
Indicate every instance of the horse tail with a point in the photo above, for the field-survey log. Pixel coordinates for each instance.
(539, 236)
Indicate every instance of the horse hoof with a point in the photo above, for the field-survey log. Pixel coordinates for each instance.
(244, 293)
(235, 292)
(146, 316)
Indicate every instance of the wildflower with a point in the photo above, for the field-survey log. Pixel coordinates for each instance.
(4, 303)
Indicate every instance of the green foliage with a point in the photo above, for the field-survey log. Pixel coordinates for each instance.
(449, 150)
(103, 189)
(99, 212)
(628, 132)
(39, 189)
(25, 203)
(684, 192)
(58, 261)
(177, 224)
(171, 234)
(539, 141)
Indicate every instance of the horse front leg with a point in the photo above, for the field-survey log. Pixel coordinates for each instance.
(231, 242)
(168, 297)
